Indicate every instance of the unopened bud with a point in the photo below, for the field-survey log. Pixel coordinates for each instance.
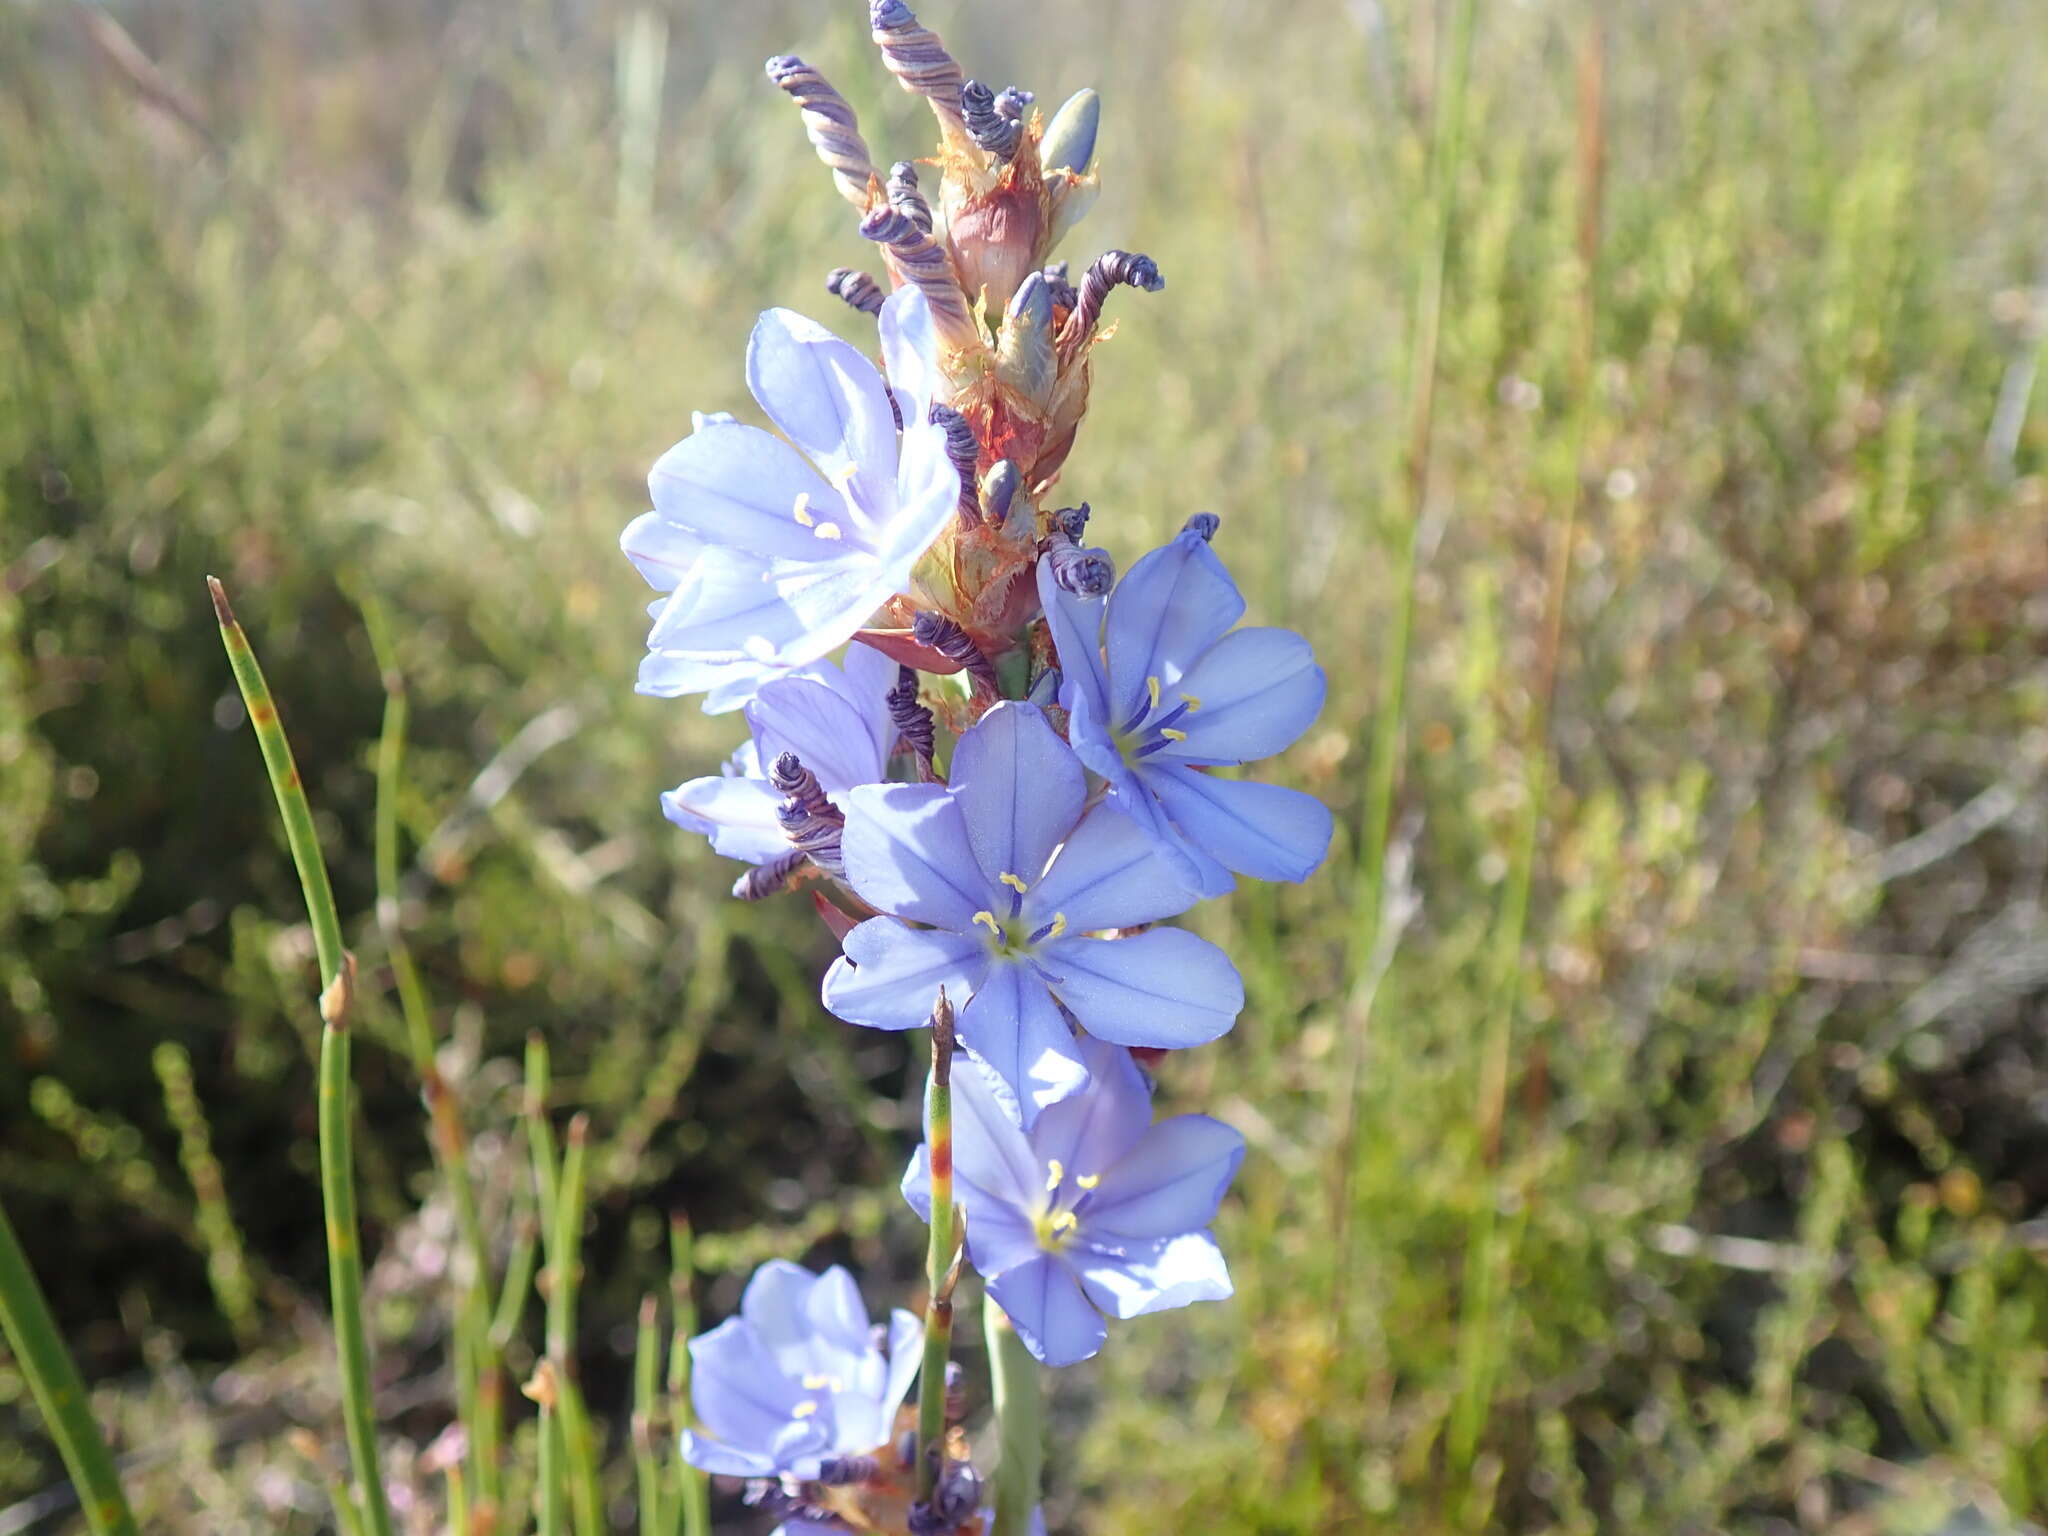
(1069, 142)
(999, 489)
(1203, 524)
(1025, 359)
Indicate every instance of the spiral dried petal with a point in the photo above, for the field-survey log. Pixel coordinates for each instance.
(1111, 269)
(916, 57)
(829, 124)
(952, 642)
(855, 288)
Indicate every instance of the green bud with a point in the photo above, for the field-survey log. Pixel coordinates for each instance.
(1024, 350)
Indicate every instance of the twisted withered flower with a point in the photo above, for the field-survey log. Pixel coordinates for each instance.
(772, 555)
(796, 1380)
(1093, 1211)
(1159, 688)
(1016, 877)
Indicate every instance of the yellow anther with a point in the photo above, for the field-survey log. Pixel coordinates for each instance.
(988, 920)
(1014, 882)
(1191, 701)
(1054, 1172)
(816, 1383)
(1152, 690)
(1059, 925)
(1171, 734)
(803, 1410)
(828, 531)
(802, 510)
(1089, 1180)
(1066, 1221)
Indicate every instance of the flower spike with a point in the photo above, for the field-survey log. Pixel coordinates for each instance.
(830, 125)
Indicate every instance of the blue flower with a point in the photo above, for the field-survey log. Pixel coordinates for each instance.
(1158, 687)
(796, 1378)
(1011, 869)
(773, 557)
(1095, 1210)
(836, 721)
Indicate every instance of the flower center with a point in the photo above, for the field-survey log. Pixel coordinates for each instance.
(1013, 933)
(1150, 729)
(1057, 1222)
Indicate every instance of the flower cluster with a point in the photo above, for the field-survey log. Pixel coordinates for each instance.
(1016, 771)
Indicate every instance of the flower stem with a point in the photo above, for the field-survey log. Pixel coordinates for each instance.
(337, 1151)
(60, 1394)
(938, 1325)
(1020, 1421)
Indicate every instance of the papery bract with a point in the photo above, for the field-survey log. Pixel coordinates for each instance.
(1012, 872)
(1094, 1211)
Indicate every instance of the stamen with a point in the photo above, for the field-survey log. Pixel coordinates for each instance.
(1057, 926)
(1152, 690)
(1190, 702)
(829, 532)
(1171, 734)
(1055, 1171)
(1014, 882)
(988, 920)
(1089, 1180)
(803, 1410)
(819, 1383)
(802, 510)
(1065, 1221)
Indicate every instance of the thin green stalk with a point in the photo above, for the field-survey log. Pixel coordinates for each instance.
(546, 1386)
(479, 1380)
(565, 1273)
(1020, 1421)
(690, 1490)
(1488, 1258)
(938, 1268)
(1447, 133)
(647, 1422)
(60, 1394)
(337, 1152)
(227, 1264)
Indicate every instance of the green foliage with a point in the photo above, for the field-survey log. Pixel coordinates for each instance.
(1754, 1229)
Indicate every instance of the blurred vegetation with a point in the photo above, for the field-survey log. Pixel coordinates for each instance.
(1706, 1197)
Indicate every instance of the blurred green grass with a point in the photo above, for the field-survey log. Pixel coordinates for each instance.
(1773, 1149)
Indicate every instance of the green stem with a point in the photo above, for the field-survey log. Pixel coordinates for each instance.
(647, 1428)
(60, 1394)
(938, 1324)
(337, 1152)
(1020, 1421)
(689, 1505)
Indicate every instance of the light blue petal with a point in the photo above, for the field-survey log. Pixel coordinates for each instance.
(1020, 790)
(1261, 830)
(890, 975)
(1164, 988)
(671, 675)
(1158, 1278)
(738, 815)
(906, 1347)
(835, 1312)
(1112, 873)
(830, 402)
(1090, 1132)
(1169, 1183)
(906, 851)
(773, 1306)
(1260, 689)
(1076, 625)
(1170, 607)
(927, 491)
(660, 551)
(864, 682)
(1012, 1024)
(737, 487)
(738, 1386)
(999, 1236)
(809, 717)
(708, 1455)
(910, 348)
(1049, 1312)
(989, 1150)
